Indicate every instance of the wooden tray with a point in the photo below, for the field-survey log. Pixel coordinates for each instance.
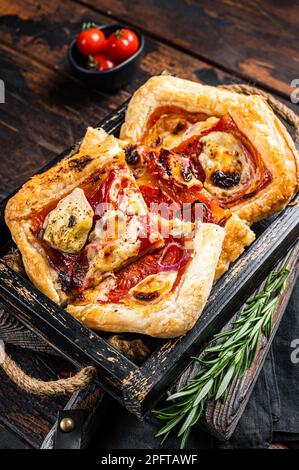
(139, 387)
(35, 421)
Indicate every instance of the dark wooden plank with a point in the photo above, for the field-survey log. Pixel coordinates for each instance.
(43, 31)
(46, 108)
(224, 29)
(9, 440)
(36, 121)
(256, 40)
(13, 332)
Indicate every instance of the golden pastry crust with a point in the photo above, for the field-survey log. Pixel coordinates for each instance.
(237, 237)
(177, 312)
(253, 117)
(97, 147)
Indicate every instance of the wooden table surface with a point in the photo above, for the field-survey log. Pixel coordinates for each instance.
(46, 109)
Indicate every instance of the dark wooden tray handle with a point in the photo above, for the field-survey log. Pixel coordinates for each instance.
(39, 387)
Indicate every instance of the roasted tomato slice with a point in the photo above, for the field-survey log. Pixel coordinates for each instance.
(133, 274)
(152, 194)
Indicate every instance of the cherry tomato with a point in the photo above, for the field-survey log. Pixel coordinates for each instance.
(100, 62)
(91, 41)
(122, 44)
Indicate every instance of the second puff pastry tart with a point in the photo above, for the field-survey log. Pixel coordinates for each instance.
(244, 157)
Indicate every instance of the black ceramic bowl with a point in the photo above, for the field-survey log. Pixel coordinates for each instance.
(111, 79)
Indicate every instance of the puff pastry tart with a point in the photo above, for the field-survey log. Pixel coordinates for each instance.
(90, 243)
(234, 144)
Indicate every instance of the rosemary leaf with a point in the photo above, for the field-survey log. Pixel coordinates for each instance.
(187, 423)
(225, 382)
(203, 392)
(168, 427)
(185, 438)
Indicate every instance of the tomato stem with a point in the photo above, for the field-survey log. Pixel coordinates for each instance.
(92, 63)
(88, 25)
(118, 33)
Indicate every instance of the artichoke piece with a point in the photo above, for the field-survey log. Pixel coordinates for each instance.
(68, 225)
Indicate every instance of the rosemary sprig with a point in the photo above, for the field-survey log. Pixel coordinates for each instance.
(229, 355)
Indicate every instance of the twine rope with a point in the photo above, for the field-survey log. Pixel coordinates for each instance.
(52, 388)
(84, 376)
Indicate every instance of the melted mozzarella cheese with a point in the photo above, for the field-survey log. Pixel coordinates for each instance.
(176, 165)
(114, 240)
(132, 203)
(221, 151)
(164, 132)
(98, 292)
(224, 152)
(110, 227)
(198, 127)
(110, 257)
(176, 227)
(104, 288)
(66, 227)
